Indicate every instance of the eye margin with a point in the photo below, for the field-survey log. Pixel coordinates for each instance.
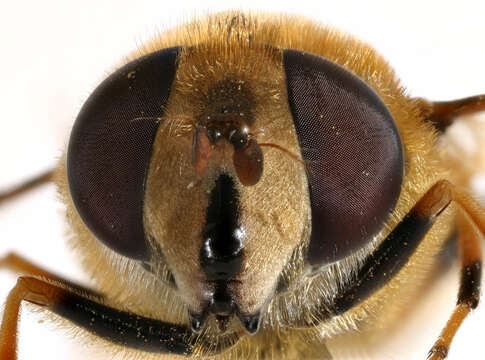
(310, 79)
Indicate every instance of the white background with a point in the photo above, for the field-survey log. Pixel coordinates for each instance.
(53, 53)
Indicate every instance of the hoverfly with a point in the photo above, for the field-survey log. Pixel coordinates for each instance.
(247, 186)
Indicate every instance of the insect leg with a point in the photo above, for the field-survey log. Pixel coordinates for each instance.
(20, 265)
(26, 186)
(469, 293)
(113, 325)
(88, 312)
(442, 113)
(394, 251)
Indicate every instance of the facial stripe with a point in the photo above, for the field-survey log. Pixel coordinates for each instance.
(222, 248)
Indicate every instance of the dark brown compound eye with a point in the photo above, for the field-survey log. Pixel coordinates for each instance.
(352, 152)
(110, 148)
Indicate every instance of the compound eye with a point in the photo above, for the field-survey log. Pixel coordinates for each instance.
(352, 152)
(110, 148)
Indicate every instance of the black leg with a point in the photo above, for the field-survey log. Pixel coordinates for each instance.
(394, 251)
(88, 312)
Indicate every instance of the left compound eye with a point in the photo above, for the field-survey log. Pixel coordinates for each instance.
(110, 148)
(352, 152)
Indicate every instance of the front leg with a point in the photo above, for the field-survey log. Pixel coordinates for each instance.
(396, 249)
(88, 312)
(394, 252)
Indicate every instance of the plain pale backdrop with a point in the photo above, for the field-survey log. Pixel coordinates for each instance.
(53, 53)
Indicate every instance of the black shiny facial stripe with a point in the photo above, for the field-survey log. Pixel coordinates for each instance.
(222, 248)
(126, 329)
(385, 262)
(471, 276)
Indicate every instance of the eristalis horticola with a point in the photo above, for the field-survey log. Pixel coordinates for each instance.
(250, 186)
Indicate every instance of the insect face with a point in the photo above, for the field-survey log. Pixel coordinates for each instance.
(241, 180)
(190, 123)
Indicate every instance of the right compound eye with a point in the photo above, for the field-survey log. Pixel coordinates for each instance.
(352, 152)
(110, 149)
